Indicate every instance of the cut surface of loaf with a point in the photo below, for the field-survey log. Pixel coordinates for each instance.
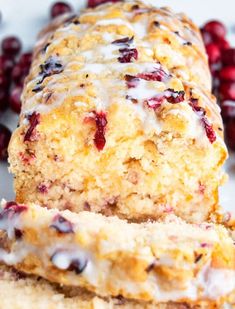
(18, 291)
(118, 117)
(160, 261)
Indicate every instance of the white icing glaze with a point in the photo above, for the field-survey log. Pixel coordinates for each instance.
(216, 282)
(143, 91)
(114, 21)
(16, 256)
(108, 52)
(62, 259)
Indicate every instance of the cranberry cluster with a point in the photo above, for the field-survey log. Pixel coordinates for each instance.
(13, 69)
(222, 64)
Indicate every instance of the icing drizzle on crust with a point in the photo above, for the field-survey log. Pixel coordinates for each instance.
(138, 53)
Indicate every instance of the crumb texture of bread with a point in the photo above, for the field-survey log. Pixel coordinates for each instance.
(161, 261)
(20, 292)
(118, 117)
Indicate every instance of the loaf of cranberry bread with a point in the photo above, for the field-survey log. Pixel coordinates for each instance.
(18, 291)
(118, 117)
(153, 261)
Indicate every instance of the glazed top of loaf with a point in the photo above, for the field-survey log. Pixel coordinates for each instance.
(127, 53)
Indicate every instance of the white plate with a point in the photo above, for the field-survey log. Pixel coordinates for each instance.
(26, 17)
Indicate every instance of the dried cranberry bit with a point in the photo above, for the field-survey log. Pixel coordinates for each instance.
(209, 130)
(101, 123)
(131, 81)
(201, 188)
(34, 120)
(78, 266)
(205, 245)
(155, 102)
(201, 112)
(128, 55)
(37, 88)
(125, 41)
(28, 157)
(157, 75)
(62, 225)
(151, 266)
(42, 188)
(70, 261)
(60, 8)
(18, 234)
(5, 136)
(197, 257)
(173, 96)
(50, 67)
(94, 3)
(11, 209)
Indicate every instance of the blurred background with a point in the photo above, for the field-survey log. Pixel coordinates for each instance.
(25, 18)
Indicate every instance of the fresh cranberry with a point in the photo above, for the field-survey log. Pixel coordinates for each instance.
(4, 81)
(11, 46)
(60, 8)
(15, 102)
(214, 70)
(101, 123)
(34, 120)
(6, 64)
(127, 55)
(228, 56)
(206, 36)
(230, 133)
(94, 3)
(227, 73)
(227, 91)
(227, 110)
(216, 29)
(26, 59)
(223, 44)
(5, 136)
(4, 98)
(17, 74)
(213, 52)
(62, 225)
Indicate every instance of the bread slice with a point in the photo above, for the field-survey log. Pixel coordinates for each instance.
(18, 291)
(159, 261)
(118, 117)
